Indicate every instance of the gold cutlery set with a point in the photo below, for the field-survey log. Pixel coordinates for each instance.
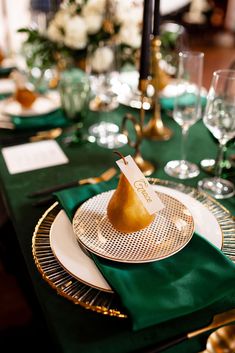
(105, 176)
(216, 340)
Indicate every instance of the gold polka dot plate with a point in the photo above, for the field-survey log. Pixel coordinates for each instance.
(170, 231)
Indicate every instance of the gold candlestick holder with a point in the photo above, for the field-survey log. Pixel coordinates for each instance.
(155, 128)
(146, 167)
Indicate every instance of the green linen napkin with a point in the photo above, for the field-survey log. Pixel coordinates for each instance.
(5, 71)
(167, 103)
(71, 198)
(155, 292)
(4, 95)
(45, 121)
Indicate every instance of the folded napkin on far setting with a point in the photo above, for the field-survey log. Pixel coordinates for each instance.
(4, 95)
(50, 120)
(167, 103)
(155, 292)
(5, 71)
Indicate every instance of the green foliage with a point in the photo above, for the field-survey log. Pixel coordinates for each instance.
(38, 50)
(41, 52)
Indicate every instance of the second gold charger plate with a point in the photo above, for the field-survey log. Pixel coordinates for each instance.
(219, 229)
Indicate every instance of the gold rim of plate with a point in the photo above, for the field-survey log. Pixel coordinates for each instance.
(96, 300)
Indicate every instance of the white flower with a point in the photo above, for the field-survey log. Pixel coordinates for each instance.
(128, 11)
(102, 59)
(93, 23)
(61, 18)
(76, 22)
(56, 27)
(130, 35)
(79, 2)
(71, 8)
(93, 13)
(54, 33)
(95, 7)
(76, 33)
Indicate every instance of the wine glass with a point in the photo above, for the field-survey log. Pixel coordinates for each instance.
(102, 65)
(219, 118)
(174, 39)
(103, 68)
(187, 108)
(208, 165)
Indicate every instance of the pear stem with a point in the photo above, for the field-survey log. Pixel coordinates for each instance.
(121, 155)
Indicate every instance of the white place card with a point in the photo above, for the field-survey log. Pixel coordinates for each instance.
(35, 155)
(140, 184)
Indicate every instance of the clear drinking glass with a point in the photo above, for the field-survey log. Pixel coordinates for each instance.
(209, 165)
(74, 89)
(174, 39)
(187, 108)
(219, 118)
(103, 68)
(102, 65)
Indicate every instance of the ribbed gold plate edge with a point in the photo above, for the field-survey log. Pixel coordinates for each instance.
(96, 300)
(60, 280)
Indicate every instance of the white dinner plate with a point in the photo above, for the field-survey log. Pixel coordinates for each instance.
(75, 260)
(129, 95)
(41, 106)
(7, 85)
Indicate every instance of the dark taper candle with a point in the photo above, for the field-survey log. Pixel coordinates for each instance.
(145, 43)
(156, 19)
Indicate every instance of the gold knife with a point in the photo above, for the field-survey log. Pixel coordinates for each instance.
(107, 175)
(218, 320)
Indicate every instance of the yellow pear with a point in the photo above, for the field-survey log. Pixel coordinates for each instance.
(125, 211)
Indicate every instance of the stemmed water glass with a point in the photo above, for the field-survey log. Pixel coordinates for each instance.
(208, 165)
(219, 118)
(187, 109)
(102, 65)
(103, 68)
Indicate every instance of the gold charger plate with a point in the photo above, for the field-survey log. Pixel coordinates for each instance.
(155, 242)
(99, 301)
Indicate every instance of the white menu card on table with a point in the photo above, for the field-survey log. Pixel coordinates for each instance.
(34, 155)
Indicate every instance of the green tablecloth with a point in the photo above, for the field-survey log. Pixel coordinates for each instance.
(74, 328)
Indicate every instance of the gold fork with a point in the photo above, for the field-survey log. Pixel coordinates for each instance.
(46, 135)
(105, 176)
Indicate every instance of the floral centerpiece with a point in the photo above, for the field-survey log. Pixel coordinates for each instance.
(79, 23)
